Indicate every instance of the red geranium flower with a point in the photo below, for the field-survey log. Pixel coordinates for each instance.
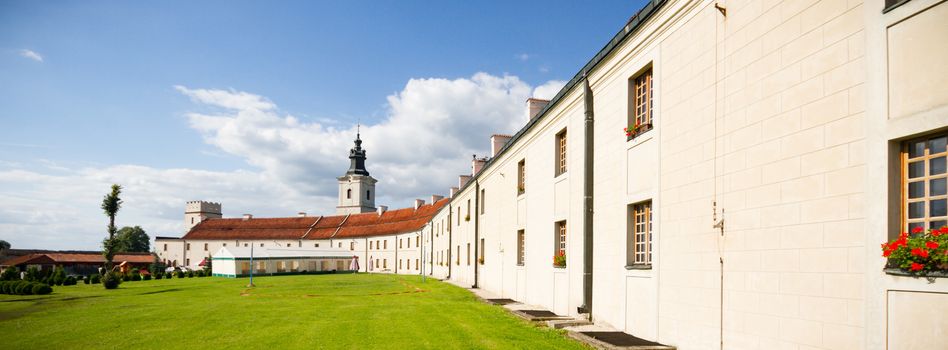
(931, 244)
(918, 229)
(886, 253)
(920, 252)
(917, 267)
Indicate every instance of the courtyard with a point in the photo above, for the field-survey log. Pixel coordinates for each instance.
(302, 311)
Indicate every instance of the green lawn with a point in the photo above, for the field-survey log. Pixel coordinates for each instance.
(306, 311)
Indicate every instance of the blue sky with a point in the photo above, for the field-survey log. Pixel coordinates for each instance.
(255, 99)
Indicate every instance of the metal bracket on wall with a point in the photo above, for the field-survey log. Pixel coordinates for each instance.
(721, 9)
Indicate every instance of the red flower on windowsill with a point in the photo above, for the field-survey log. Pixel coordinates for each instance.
(918, 230)
(931, 245)
(923, 252)
(920, 252)
(917, 267)
(559, 260)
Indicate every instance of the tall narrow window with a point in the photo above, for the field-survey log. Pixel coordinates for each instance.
(457, 256)
(641, 234)
(368, 194)
(166, 247)
(482, 200)
(480, 252)
(205, 247)
(417, 241)
(188, 246)
(468, 254)
(352, 246)
(399, 243)
(924, 187)
(468, 208)
(459, 215)
(521, 176)
(561, 152)
(560, 238)
(640, 117)
(521, 241)
(349, 193)
(385, 244)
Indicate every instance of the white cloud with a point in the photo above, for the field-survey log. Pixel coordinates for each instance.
(426, 137)
(33, 55)
(522, 56)
(548, 89)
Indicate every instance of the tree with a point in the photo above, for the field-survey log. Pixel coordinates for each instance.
(111, 204)
(4, 245)
(132, 239)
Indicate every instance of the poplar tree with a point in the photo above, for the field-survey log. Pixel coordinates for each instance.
(111, 204)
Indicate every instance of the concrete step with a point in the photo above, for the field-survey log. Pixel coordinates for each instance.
(573, 322)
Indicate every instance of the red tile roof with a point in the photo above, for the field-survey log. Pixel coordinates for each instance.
(77, 258)
(324, 227)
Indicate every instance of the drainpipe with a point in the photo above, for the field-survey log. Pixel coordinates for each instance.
(395, 263)
(477, 193)
(450, 224)
(431, 249)
(366, 260)
(587, 202)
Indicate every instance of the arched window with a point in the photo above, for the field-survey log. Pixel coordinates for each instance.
(349, 193)
(368, 194)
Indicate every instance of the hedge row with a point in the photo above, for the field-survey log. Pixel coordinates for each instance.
(24, 288)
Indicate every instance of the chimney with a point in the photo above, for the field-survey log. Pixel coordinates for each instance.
(382, 209)
(454, 191)
(535, 105)
(463, 179)
(497, 142)
(419, 203)
(477, 165)
(301, 214)
(435, 198)
(248, 217)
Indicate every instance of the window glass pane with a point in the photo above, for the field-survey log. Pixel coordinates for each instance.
(916, 189)
(939, 207)
(937, 187)
(936, 166)
(916, 149)
(913, 225)
(937, 145)
(937, 224)
(916, 169)
(916, 210)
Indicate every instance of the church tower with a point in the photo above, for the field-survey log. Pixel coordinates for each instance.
(356, 187)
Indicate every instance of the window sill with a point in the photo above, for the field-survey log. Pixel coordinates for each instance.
(903, 273)
(520, 265)
(638, 267)
(640, 131)
(559, 267)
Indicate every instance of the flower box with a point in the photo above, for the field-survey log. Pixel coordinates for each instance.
(921, 253)
(634, 131)
(559, 260)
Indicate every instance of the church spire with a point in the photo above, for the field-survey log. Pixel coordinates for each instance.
(357, 157)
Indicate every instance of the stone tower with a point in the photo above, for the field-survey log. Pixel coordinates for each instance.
(197, 211)
(356, 187)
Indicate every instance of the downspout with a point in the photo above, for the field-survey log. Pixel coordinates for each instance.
(431, 249)
(477, 193)
(450, 224)
(396, 262)
(587, 201)
(366, 261)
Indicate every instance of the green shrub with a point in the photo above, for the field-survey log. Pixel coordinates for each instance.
(179, 274)
(9, 274)
(41, 289)
(95, 279)
(135, 276)
(3, 286)
(159, 275)
(33, 274)
(69, 281)
(85, 279)
(111, 280)
(190, 273)
(200, 273)
(146, 278)
(168, 275)
(23, 288)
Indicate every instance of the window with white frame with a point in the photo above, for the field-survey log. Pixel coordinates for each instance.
(640, 234)
(924, 190)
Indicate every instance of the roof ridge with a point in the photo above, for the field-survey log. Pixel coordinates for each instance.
(311, 226)
(340, 225)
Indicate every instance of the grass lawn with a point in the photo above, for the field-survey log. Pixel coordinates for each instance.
(304, 311)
